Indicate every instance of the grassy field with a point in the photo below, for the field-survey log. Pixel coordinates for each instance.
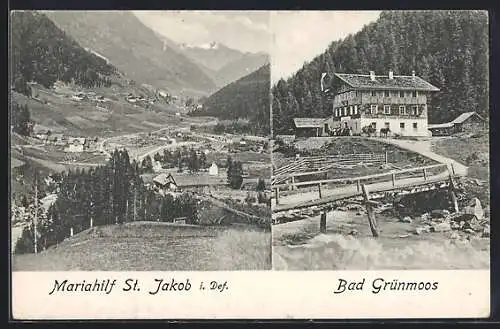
(149, 246)
(472, 152)
(299, 246)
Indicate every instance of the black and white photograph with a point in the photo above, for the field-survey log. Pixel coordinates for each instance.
(380, 134)
(140, 140)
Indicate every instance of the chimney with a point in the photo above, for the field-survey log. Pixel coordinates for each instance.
(372, 75)
(391, 75)
(413, 73)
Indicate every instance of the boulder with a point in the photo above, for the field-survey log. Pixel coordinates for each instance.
(470, 231)
(441, 227)
(425, 217)
(406, 219)
(475, 208)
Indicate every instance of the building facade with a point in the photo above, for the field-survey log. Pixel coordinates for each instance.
(397, 102)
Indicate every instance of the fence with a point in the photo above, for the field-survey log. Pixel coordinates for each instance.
(320, 164)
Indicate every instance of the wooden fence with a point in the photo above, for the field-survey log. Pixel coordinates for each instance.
(321, 164)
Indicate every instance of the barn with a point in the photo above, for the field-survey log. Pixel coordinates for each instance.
(469, 122)
(310, 127)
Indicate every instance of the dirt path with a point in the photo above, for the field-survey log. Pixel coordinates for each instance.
(424, 148)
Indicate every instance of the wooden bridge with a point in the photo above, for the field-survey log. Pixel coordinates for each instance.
(410, 180)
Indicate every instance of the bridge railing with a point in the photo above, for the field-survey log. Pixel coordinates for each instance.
(423, 172)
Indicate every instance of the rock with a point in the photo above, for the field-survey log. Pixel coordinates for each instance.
(455, 225)
(441, 227)
(475, 209)
(406, 219)
(439, 213)
(353, 232)
(425, 217)
(470, 231)
(421, 230)
(478, 182)
(454, 236)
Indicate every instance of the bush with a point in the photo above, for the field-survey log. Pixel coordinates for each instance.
(250, 198)
(261, 185)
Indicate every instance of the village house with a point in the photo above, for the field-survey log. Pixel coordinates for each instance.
(165, 182)
(75, 144)
(213, 170)
(397, 102)
(469, 122)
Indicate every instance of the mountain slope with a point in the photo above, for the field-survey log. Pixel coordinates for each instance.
(447, 48)
(246, 98)
(246, 64)
(42, 53)
(134, 48)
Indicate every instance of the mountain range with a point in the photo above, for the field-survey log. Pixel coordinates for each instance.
(148, 57)
(221, 63)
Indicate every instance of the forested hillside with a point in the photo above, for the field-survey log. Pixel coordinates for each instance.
(246, 98)
(42, 53)
(447, 48)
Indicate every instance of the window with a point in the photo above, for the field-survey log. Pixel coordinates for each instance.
(374, 93)
(414, 94)
(414, 110)
(386, 93)
(345, 111)
(373, 109)
(355, 109)
(414, 126)
(350, 110)
(401, 94)
(402, 125)
(374, 125)
(402, 110)
(387, 109)
(357, 93)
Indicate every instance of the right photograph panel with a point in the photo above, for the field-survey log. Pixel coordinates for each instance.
(380, 124)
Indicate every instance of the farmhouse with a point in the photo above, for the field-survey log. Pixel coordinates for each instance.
(309, 127)
(470, 122)
(397, 102)
(165, 182)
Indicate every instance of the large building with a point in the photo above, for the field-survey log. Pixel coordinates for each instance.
(397, 102)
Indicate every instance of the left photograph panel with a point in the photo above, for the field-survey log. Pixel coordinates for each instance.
(139, 141)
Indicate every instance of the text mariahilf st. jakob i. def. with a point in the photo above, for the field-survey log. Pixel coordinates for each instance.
(133, 285)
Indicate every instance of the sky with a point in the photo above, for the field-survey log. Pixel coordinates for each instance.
(299, 36)
(246, 31)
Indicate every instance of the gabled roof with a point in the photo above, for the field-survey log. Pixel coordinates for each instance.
(399, 82)
(308, 122)
(460, 119)
(164, 179)
(464, 116)
(440, 125)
